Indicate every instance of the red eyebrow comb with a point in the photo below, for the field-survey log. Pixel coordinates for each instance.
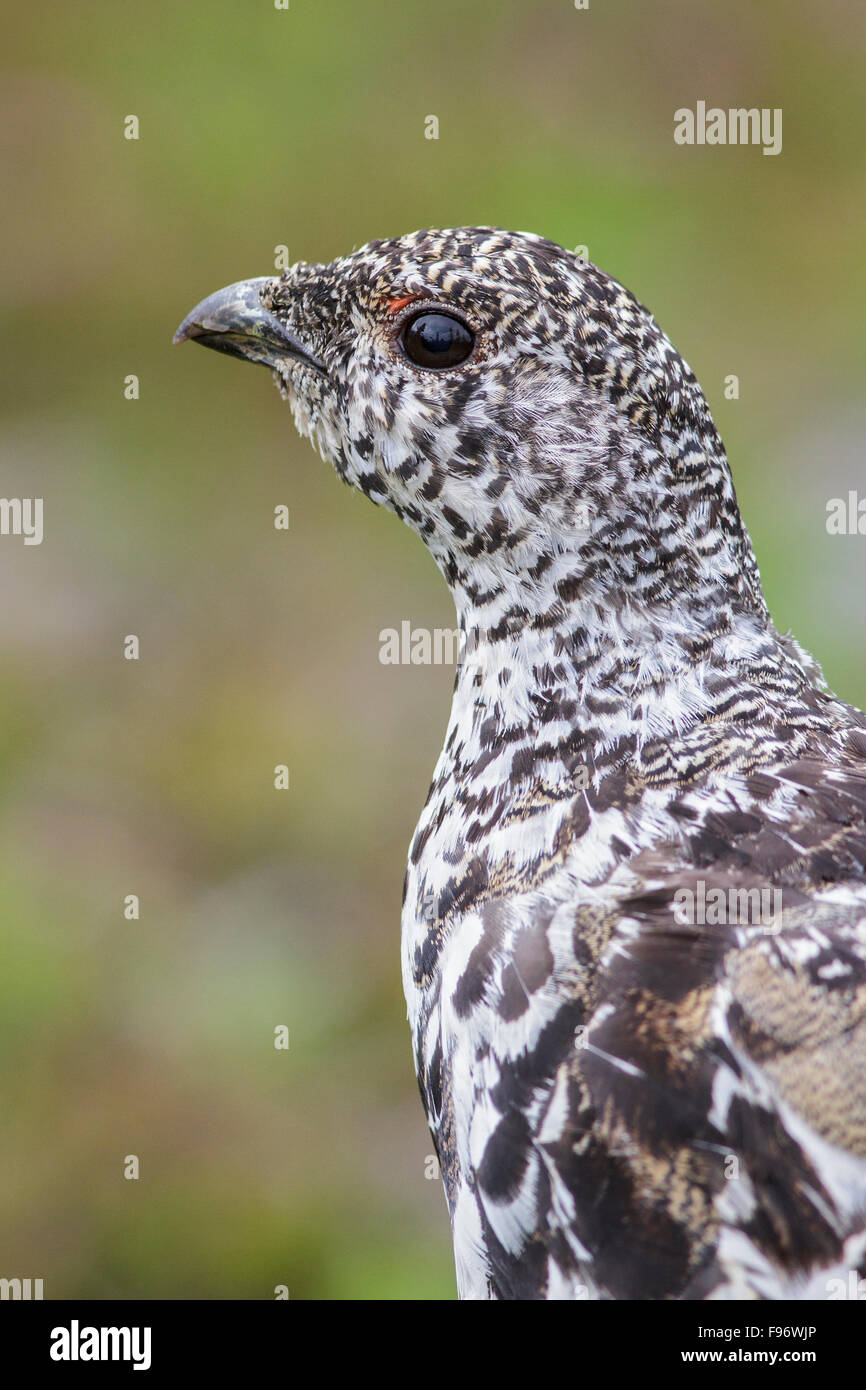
(395, 305)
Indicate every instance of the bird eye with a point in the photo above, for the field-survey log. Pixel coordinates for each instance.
(433, 339)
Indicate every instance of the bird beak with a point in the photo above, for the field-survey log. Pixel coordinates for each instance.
(235, 321)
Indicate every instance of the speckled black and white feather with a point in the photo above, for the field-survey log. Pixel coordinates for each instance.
(624, 1105)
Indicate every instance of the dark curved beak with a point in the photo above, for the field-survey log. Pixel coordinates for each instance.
(235, 321)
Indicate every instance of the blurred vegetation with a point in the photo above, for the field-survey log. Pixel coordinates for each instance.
(260, 127)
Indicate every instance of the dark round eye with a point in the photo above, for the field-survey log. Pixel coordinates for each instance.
(433, 339)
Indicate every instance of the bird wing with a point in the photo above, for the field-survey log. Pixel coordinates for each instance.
(661, 1109)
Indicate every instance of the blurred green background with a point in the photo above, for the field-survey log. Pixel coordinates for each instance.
(260, 127)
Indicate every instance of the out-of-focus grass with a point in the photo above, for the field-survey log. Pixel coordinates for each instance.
(305, 127)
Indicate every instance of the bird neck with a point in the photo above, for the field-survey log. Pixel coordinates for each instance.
(604, 662)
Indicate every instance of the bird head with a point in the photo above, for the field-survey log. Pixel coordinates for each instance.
(517, 407)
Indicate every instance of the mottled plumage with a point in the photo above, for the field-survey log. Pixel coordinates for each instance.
(626, 1103)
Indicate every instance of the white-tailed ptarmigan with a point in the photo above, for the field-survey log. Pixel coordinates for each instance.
(634, 932)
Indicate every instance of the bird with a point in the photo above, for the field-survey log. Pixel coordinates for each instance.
(634, 911)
